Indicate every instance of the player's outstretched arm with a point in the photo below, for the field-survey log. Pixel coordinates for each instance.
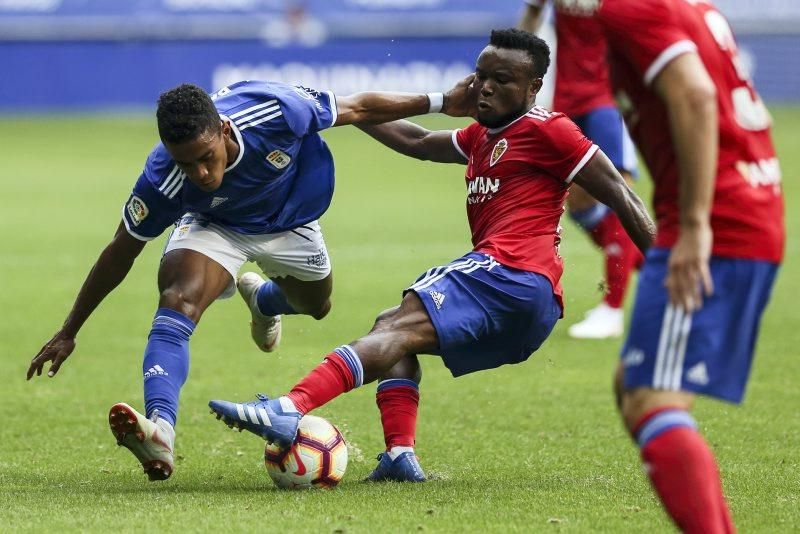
(415, 141)
(376, 107)
(531, 18)
(691, 99)
(109, 270)
(602, 180)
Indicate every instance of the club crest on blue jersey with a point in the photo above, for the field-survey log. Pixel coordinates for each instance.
(498, 151)
(279, 159)
(137, 209)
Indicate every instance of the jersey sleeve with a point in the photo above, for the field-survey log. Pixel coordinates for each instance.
(561, 148)
(150, 210)
(464, 139)
(656, 39)
(307, 111)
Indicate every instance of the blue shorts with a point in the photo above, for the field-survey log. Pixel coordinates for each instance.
(708, 351)
(486, 314)
(606, 128)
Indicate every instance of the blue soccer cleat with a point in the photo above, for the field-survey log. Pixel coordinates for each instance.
(274, 420)
(404, 468)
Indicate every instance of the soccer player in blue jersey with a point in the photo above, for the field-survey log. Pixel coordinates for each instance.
(246, 175)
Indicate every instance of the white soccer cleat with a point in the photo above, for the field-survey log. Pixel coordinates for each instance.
(264, 329)
(600, 323)
(151, 441)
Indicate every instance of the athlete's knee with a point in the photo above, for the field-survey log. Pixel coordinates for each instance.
(176, 299)
(639, 402)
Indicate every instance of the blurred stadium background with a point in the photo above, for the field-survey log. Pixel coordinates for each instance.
(78, 85)
(106, 54)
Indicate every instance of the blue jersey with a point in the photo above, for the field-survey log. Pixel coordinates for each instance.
(281, 179)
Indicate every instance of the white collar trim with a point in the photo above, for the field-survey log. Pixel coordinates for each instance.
(238, 136)
(501, 128)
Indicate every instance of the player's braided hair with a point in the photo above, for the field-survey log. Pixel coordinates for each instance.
(521, 40)
(184, 113)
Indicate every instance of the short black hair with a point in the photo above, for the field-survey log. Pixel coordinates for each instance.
(185, 113)
(516, 39)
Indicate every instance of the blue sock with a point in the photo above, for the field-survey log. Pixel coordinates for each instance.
(166, 363)
(589, 218)
(271, 300)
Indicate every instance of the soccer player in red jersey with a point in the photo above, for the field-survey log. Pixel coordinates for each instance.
(583, 93)
(496, 304)
(705, 136)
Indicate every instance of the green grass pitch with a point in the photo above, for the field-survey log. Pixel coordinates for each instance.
(530, 448)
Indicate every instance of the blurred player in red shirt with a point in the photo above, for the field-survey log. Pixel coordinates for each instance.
(583, 93)
(499, 302)
(705, 136)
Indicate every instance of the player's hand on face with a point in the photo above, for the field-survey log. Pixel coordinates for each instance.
(688, 276)
(462, 99)
(56, 350)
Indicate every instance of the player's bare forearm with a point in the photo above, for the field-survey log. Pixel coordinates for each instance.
(690, 96)
(110, 269)
(415, 141)
(378, 107)
(691, 99)
(601, 179)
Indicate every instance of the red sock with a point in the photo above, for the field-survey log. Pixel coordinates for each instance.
(397, 400)
(621, 256)
(338, 373)
(683, 472)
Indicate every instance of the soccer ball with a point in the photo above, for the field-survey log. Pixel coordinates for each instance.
(317, 459)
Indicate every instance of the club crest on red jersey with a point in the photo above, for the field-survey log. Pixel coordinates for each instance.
(498, 151)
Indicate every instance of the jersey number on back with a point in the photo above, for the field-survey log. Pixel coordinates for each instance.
(751, 114)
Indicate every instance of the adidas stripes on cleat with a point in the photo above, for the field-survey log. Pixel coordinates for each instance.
(274, 420)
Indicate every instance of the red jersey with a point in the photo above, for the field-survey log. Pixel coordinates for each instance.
(582, 78)
(517, 179)
(644, 36)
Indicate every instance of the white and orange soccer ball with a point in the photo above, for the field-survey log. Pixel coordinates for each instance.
(318, 458)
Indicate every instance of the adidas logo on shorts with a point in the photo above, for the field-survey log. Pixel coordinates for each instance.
(698, 374)
(438, 299)
(155, 371)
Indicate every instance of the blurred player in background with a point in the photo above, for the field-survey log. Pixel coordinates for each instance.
(583, 93)
(705, 136)
(246, 175)
(496, 304)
